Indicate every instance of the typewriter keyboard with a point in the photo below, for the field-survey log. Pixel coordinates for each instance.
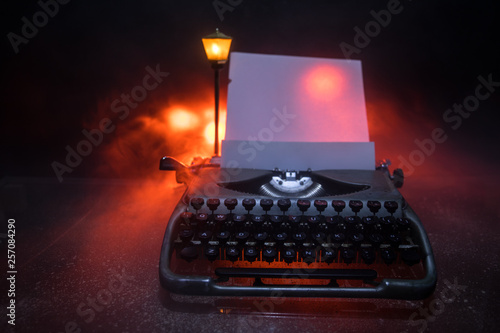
(311, 247)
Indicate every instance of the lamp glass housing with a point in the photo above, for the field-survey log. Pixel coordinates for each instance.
(217, 47)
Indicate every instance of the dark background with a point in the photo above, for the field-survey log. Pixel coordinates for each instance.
(65, 78)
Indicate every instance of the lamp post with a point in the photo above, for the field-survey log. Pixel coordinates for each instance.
(217, 49)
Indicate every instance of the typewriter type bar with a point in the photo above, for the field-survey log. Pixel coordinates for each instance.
(346, 245)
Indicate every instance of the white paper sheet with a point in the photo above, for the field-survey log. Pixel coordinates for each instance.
(279, 102)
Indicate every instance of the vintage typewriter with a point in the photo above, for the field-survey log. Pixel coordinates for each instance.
(256, 227)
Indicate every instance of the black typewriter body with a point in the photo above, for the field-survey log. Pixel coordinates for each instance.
(329, 233)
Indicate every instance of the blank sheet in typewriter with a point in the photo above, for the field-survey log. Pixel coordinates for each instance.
(296, 113)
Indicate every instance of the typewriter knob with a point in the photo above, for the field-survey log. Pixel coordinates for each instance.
(356, 205)
(391, 206)
(230, 203)
(213, 204)
(338, 205)
(320, 205)
(249, 204)
(266, 204)
(197, 203)
(284, 204)
(303, 205)
(374, 206)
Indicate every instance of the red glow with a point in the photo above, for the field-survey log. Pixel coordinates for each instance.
(324, 82)
(180, 119)
(209, 132)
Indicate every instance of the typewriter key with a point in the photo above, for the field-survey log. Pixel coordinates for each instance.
(230, 203)
(368, 255)
(374, 206)
(211, 252)
(388, 255)
(391, 206)
(348, 254)
(189, 253)
(213, 204)
(197, 203)
(289, 255)
(284, 204)
(303, 205)
(269, 254)
(308, 255)
(328, 255)
(320, 205)
(338, 205)
(356, 206)
(250, 254)
(249, 204)
(232, 253)
(266, 204)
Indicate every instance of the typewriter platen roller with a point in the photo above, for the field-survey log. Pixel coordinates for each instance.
(331, 233)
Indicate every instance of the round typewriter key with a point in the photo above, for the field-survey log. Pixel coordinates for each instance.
(186, 234)
(328, 255)
(220, 218)
(338, 205)
(289, 255)
(230, 203)
(376, 239)
(284, 204)
(352, 221)
(391, 206)
(211, 252)
(269, 254)
(410, 256)
(258, 221)
(303, 205)
(319, 238)
(348, 254)
(369, 221)
(308, 255)
(374, 206)
(356, 205)
(280, 237)
(394, 239)
(249, 204)
(388, 255)
(204, 236)
(232, 253)
(368, 255)
(338, 237)
(260, 237)
(250, 254)
(222, 237)
(187, 217)
(213, 204)
(356, 238)
(242, 237)
(266, 204)
(313, 222)
(189, 253)
(403, 224)
(320, 205)
(299, 238)
(201, 218)
(197, 203)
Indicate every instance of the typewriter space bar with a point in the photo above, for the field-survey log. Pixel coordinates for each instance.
(284, 273)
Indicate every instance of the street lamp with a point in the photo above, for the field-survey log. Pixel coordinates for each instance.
(217, 49)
